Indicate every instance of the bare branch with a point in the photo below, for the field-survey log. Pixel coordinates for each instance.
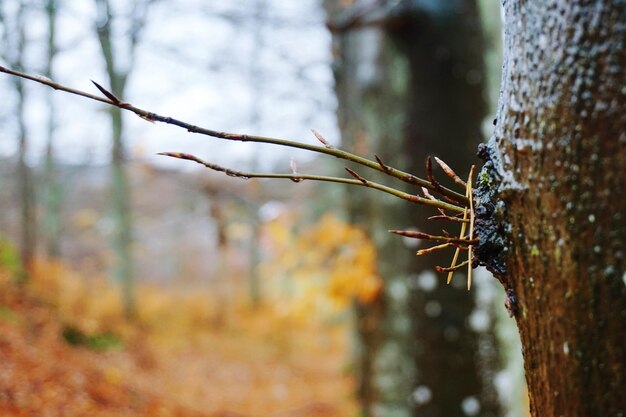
(456, 253)
(448, 218)
(107, 93)
(300, 177)
(470, 196)
(322, 139)
(450, 173)
(150, 116)
(357, 176)
(426, 236)
(452, 268)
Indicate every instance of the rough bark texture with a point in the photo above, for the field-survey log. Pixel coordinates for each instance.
(552, 213)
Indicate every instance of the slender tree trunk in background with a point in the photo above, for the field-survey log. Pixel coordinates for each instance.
(446, 107)
(223, 299)
(25, 186)
(28, 221)
(53, 190)
(256, 83)
(371, 112)
(122, 218)
(410, 87)
(552, 213)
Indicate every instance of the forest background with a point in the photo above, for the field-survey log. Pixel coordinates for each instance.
(133, 284)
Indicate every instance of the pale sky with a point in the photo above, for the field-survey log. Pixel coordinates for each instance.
(204, 62)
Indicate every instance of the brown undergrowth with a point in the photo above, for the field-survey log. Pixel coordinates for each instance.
(180, 356)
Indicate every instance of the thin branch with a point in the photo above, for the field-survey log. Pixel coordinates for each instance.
(449, 218)
(430, 197)
(429, 174)
(150, 116)
(381, 163)
(107, 93)
(439, 247)
(322, 139)
(470, 196)
(452, 268)
(357, 176)
(300, 177)
(457, 251)
(426, 236)
(450, 173)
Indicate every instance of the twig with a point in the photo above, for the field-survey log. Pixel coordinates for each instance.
(426, 236)
(300, 177)
(322, 139)
(107, 93)
(429, 174)
(449, 218)
(381, 163)
(470, 196)
(452, 268)
(439, 247)
(357, 176)
(430, 197)
(150, 116)
(433, 249)
(457, 251)
(450, 173)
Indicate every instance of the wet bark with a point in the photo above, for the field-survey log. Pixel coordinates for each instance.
(551, 213)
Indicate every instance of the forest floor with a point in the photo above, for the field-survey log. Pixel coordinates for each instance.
(65, 350)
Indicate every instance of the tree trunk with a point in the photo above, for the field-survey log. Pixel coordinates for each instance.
(25, 190)
(28, 221)
(400, 85)
(53, 189)
(551, 214)
(369, 76)
(120, 194)
(446, 107)
(118, 76)
(122, 217)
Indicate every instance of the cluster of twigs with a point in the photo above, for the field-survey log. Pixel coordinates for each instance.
(457, 207)
(465, 241)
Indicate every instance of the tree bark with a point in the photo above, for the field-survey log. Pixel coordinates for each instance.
(551, 213)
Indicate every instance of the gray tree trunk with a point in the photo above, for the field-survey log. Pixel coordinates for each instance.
(551, 211)
(52, 185)
(121, 207)
(25, 190)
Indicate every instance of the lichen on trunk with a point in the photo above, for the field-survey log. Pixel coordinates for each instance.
(550, 214)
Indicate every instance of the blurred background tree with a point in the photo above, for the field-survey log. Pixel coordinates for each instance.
(411, 83)
(13, 50)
